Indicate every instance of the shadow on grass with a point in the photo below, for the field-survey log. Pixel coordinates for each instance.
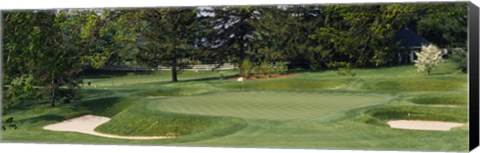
(43, 118)
(99, 74)
(27, 105)
(207, 79)
(189, 80)
(100, 106)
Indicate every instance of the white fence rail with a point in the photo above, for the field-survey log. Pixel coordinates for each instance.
(200, 67)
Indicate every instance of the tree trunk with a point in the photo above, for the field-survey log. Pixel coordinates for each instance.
(53, 93)
(174, 74)
(174, 70)
(241, 60)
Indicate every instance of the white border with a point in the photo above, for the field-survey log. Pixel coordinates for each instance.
(74, 148)
(49, 4)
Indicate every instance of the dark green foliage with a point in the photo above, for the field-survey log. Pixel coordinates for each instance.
(44, 55)
(444, 24)
(246, 68)
(168, 38)
(8, 123)
(280, 68)
(459, 57)
(265, 69)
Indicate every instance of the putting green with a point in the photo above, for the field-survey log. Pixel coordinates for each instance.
(267, 105)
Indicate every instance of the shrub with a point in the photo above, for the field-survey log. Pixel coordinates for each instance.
(459, 57)
(344, 68)
(265, 68)
(246, 68)
(280, 68)
(428, 58)
(256, 70)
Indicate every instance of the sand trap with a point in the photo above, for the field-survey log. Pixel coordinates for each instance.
(423, 125)
(452, 106)
(86, 125)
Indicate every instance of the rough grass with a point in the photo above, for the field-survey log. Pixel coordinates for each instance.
(421, 113)
(446, 100)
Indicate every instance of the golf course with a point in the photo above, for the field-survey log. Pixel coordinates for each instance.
(390, 76)
(309, 110)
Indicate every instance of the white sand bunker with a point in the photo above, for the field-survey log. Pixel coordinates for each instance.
(86, 125)
(423, 125)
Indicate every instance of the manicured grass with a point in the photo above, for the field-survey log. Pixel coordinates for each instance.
(311, 110)
(267, 105)
(132, 122)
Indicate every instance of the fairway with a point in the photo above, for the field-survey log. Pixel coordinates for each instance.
(267, 105)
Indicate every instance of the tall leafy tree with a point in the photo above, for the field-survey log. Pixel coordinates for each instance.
(46, 52)
(19, 48)
(444, 24)
(168, 38)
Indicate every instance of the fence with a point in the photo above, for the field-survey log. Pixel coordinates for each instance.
(200, 67)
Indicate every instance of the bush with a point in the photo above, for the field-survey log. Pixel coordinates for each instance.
(246, 68)
(280, 68)
(344, 68)
(265, 69)
(256, 70)
(459, 57)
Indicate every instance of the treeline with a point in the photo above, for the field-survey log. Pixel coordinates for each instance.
(46, 51)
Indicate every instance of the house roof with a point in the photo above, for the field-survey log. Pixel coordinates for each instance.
(410, 39)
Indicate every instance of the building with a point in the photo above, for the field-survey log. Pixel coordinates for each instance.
(409, 43)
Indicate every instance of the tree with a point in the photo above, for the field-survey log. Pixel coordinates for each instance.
(46, 52)
(444, 24)
(359, 34)
(168, 38)
(31, 49)
(19, 47)
(428, 58)
(235, 28)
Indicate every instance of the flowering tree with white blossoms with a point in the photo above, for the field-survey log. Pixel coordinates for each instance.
(428, 58)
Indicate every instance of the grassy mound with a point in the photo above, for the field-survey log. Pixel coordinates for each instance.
(422, 83)
(420, 113)
(451, 100)
(139, 121)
